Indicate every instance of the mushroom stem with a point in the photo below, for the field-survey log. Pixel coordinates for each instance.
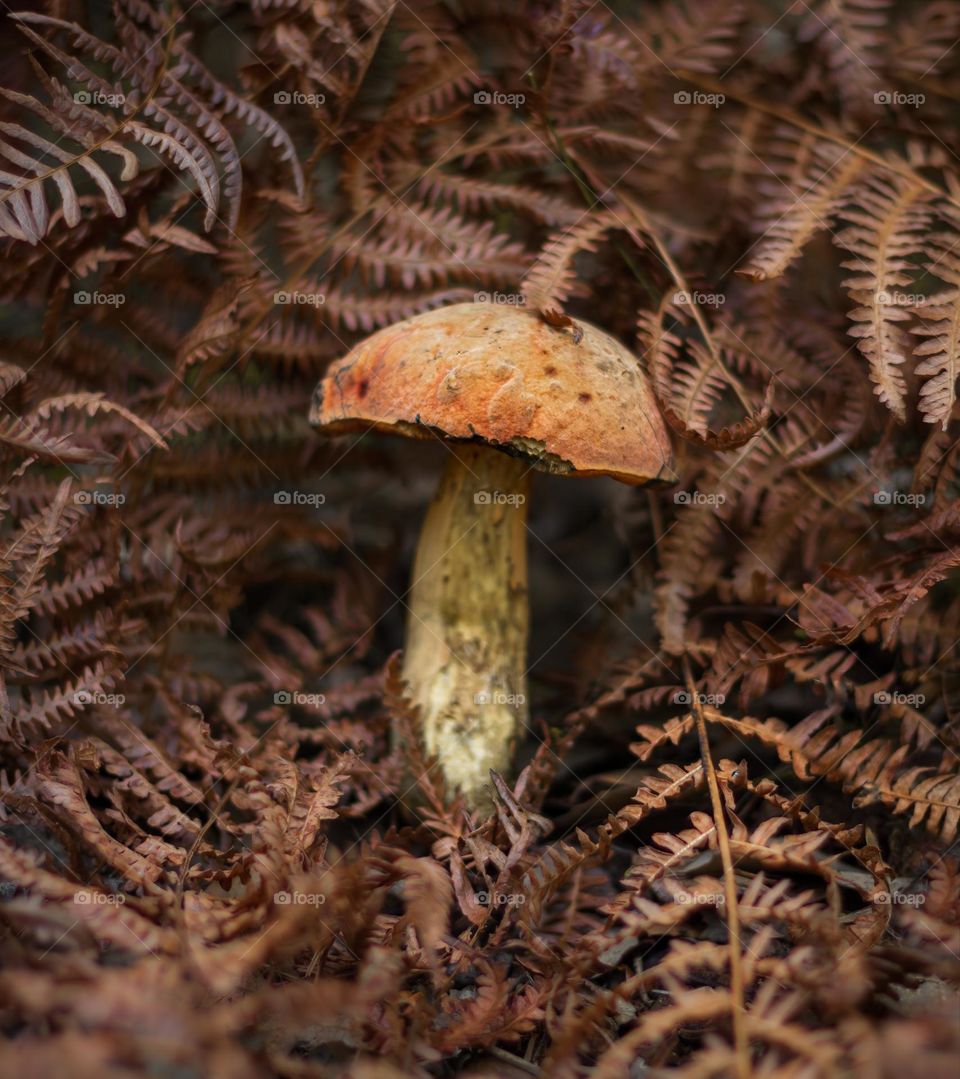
(466, 652)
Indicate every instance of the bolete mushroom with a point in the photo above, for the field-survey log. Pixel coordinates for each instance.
(507, 393)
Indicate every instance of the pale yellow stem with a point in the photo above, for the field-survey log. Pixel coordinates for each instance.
(466, 651)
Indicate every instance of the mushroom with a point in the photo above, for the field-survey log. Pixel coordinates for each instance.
(506, 393)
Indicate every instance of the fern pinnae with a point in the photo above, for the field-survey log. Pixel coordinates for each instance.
(939, 353)
(156, 95)
(219, 95)
(551, 278)
(175, 140)
(883, 234)
(797, 215)
(26, 224)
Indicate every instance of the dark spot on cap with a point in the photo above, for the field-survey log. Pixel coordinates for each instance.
(583, 398)
(551, 370)
(362, 388)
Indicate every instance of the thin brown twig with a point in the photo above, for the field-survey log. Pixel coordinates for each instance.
(738, 1013)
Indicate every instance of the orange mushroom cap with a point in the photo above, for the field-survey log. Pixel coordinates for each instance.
(499, 375)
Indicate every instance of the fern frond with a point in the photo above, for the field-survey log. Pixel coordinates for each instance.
(887, 219)
(50, 709)
(689, 380)
(60, 518)
(472, 195)
(853, 35)
(360, 311)
(158, 110)
(940, 324)
(690, 37)
(551, 279)
(94, 404)
(873, 770)
(818, 178)
(24, 211)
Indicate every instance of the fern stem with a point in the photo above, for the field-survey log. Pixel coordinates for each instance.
(741, 1042)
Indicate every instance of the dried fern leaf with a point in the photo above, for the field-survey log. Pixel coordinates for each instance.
(551, 279)
(887, 219)
(940, 324)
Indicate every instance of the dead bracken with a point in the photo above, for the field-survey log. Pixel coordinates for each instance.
(690, 805)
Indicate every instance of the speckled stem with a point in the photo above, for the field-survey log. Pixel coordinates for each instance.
(466, 652)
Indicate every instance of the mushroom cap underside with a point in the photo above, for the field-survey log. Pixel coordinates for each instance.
(500, 375)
